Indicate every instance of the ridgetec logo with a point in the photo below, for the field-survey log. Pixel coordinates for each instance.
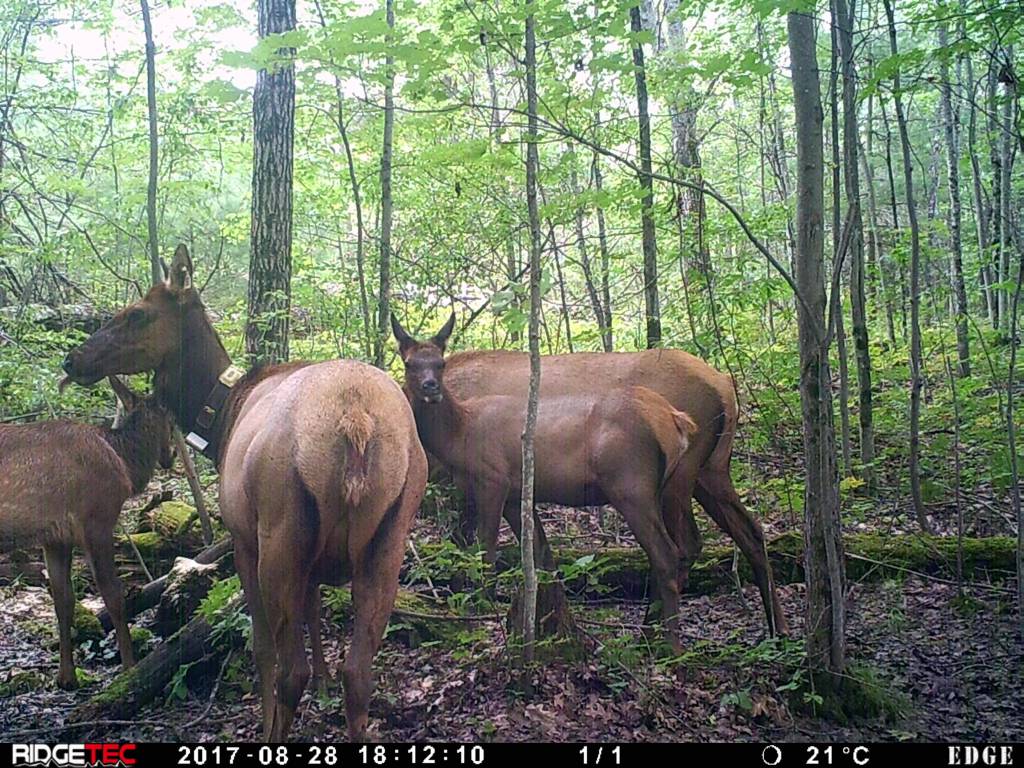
(72, 755)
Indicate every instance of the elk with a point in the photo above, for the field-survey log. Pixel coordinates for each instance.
(321, 476)
(688, 384)
(627, 447)
(62, 484)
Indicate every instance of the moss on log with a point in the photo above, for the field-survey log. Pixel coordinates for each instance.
(623, 570)
(134, 688)
(416, 618)
(85, 625)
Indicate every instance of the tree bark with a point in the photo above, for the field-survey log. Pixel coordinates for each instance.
(270, 259)
(527, 536)
(652, 309)
(154, 252)
(1006, 156)
(916, 378)
(386, 201)
(837, 307)
(846, 13)
(826, 616)
(981, 210)
(951, 131)
(876, 259)
(686, 149)
(585, 265)
(602, 243)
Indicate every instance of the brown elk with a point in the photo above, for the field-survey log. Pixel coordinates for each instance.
(321, 475)
(63, 483)
(627, 447)
(689, 384)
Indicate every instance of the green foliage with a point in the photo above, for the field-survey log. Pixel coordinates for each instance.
(229, 620)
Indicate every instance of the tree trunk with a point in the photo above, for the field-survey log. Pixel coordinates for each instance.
(511, 264)
(602, 243)
(823, 557)
(386, 202)
(996, 160)
(364, 303)
(581, 246)
(1011, 440)
(270, 259)
(686, 150)
(154, 249)
(855, 250)
(652, 310)
(837, 307)
(876, 260)
(916, 377)
(527, 535)
(981, 210)
(1006, 156)
(951, 129)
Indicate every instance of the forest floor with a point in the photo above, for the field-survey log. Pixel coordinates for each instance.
(956, 661)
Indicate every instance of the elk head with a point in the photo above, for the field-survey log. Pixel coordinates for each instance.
(149, 417)
(424, 361)
(144, 336)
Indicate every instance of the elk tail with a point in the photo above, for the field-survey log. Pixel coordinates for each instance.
(671, 428)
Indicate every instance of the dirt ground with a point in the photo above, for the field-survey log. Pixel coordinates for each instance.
(957, 661)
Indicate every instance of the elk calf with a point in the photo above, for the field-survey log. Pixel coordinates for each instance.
(628, 447)
(63, 483)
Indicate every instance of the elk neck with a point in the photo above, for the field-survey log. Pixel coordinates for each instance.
(137, 444)
(183, 383)
(440, 425)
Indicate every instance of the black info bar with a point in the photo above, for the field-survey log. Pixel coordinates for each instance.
(144, 755)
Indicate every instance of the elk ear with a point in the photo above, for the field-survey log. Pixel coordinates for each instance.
(128, 398)
(405, 341)
(180, 278)
(164, 268)
(441, 337)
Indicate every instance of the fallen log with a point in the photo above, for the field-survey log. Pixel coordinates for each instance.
(149, 595)
(134, 688)
(622, 571)
(415, 620)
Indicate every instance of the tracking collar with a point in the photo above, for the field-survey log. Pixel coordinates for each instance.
(199, 437)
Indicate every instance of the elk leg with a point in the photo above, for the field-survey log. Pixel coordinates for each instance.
(641, 512)
(284, 576)
(99, 552)
(716, 494)
(58, 567)
(262, 646)
(468, 520)
(374, 587)
(677, 514)
(542, 553)
(321, 677)
(489, 501)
